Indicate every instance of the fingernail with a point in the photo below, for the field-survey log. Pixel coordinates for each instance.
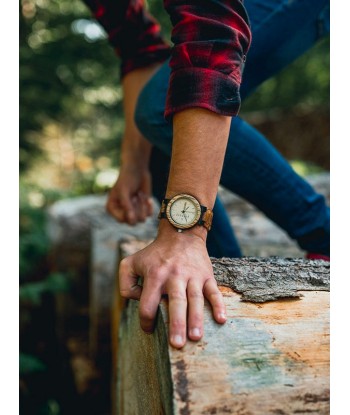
(195, 332)
(222, 316)
(177, 340)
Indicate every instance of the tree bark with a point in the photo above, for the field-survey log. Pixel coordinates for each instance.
(266, 279)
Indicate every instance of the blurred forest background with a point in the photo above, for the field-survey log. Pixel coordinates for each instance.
(71, 126)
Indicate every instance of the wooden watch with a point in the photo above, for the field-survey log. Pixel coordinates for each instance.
(184, 211)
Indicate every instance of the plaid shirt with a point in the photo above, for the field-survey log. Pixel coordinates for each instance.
(211, 39)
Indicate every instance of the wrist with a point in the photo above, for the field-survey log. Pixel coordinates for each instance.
(166, 230)
(135, 152)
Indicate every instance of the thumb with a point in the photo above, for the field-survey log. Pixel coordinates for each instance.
(128, 280)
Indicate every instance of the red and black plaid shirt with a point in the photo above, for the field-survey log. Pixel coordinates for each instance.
(211, 39)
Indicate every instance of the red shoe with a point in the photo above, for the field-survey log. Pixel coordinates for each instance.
(313, 256)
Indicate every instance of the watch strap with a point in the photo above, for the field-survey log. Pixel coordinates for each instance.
(162, 212)
(206, 218)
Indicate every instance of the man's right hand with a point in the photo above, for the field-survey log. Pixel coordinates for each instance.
(176, 265)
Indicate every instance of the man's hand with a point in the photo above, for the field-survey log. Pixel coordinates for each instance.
(129, 200)
(178, 265)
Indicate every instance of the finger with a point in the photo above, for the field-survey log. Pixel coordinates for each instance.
(214, 296)
(129, 209)
(144, 208)
(149, 302)
(149, 204)
(116, 210)
(136, 203)
(177, 313)
(146, 190)
(128, 280)
(195, 310)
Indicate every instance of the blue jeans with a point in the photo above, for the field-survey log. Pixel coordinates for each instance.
(282, 30)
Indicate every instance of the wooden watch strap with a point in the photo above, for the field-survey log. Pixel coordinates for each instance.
(162, 211)
(207, 219)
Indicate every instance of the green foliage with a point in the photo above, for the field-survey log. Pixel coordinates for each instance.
(30, 364)
(33, 242)
(66, 77)
(37, 283)
(54, 283)
(305, 169)
(157, 10)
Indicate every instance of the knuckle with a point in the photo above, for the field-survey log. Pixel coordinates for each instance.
(195, 295)
(177, 324)
(215, 297)
(146, 314)
(177, 295)
(157, 273)
(176, 269)
(125, 293)
(154, 272)
(124, 264)
(196, 320)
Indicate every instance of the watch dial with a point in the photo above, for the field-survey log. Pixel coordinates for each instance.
(184, 212)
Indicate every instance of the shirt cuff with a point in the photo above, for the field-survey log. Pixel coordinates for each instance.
(202, 87)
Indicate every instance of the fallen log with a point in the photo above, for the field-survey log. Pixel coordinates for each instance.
(271, 356)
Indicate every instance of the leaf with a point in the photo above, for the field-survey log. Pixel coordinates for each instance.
(57, 282)
(33, 291)
(30, 364)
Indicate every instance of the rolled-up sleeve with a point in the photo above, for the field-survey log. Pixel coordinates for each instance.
(211, 39)
(134, 34)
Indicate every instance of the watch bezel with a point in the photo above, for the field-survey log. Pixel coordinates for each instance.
(197, 206)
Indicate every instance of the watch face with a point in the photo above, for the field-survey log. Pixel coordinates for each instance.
(183, 211)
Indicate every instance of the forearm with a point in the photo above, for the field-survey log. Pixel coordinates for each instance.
(199, 144)
(134, 145)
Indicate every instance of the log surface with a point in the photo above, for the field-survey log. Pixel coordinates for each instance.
(270, 358)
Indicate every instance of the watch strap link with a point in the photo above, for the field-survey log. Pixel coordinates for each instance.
(206, 218)
(162, 212)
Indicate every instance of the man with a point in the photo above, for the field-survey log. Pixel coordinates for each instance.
(201, 89)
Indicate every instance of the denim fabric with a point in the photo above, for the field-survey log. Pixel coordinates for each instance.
(253, 168)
